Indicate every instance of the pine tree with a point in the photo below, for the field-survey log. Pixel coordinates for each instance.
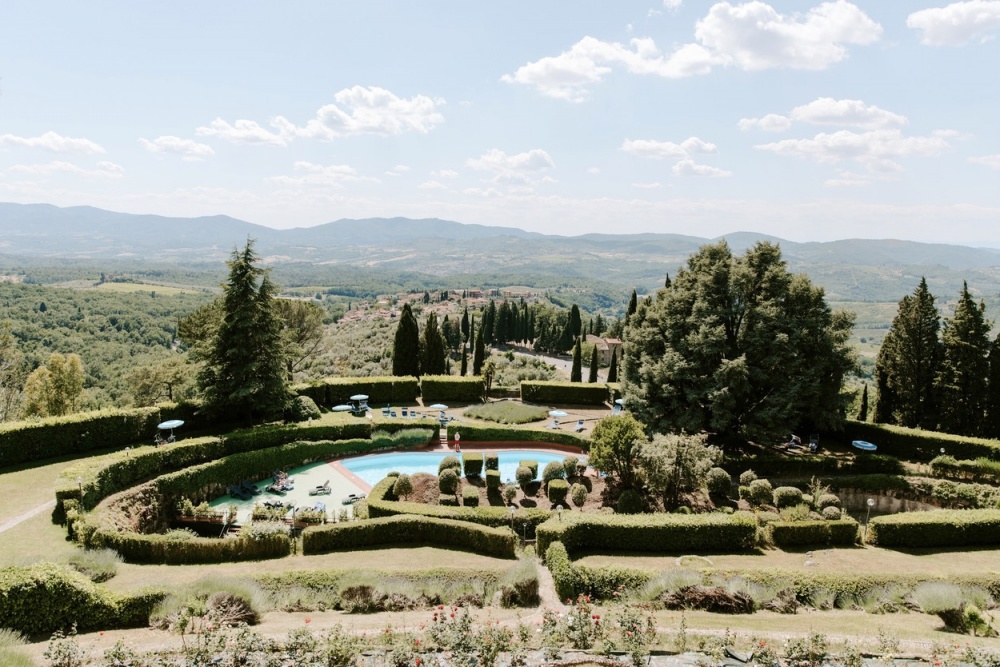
(406, 346)
(613, 368)
(992, 427)
(576, 375)
(863, 410)
(479, 353)
(962, 380)
(432, 351)
(592, 378)
(908, 363)
(244, 373)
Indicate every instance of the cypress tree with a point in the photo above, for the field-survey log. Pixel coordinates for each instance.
(433, 348)
(406, 347)
(488, 327)
(613, 368)
(566, 337)
(465, 360)
(992, 428)
(863, 410)
(465, 325)
(575, 322)
(479, 353)
(633, 304)
(666, 281)
(576, 375)
(962, 380)
(592, 378)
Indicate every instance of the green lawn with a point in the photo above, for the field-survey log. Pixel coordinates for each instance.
(25, 489)
(34, 540)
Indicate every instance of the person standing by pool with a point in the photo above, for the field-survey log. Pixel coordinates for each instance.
(458, 441)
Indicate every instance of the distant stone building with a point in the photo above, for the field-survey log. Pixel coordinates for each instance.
(605, 346)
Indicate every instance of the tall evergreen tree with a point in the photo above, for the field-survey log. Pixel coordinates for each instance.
(465, 360)
(244, 374)
(962, 380)
(863, 410)
(598, 325)
(633, 304)
(575, 322)
(486, 329)
(908, 362)
(566, 337)
(406, 346)
(432, 351)
(576, 374)
(465, 325)
(992, 427)
(479, 353)
(613, 367)
(592, 377)
(666, 281)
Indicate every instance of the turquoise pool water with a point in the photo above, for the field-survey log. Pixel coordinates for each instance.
(374, 467)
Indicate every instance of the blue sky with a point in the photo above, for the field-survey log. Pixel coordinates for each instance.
(808, 121)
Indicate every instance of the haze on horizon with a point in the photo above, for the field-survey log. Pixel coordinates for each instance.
(815, 121)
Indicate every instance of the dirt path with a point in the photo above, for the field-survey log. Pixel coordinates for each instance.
(547, 589)
(10, 523)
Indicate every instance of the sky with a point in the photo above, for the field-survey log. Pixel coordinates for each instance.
(809, 121)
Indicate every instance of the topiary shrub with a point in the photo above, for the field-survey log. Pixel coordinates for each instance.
(450, 462)
(492, 461)
(448, 481)
(302, 408)
(719, 481)
(524, 476)
(492, 479)
(746, 477)
(472, 464)
(570, 464)
(403, 487)
(470, 496)
(448, 500)
(553, 470)
(531, 465)
(787, 496)
(832, 513)
(509, 493)
(557, 490)
(758, 492)
(629, 502)
(578, 494)
(827, 500)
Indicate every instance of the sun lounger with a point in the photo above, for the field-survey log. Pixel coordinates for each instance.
(616, 411)
(554, 424)
(579, 426)
(320, 507)
(321, 490)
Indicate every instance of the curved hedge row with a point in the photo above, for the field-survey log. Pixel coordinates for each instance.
(24, 441)
(917, 445)
(813, 533)
(444, 388)
(981, 469)
(564, 393)
(45, 597)
(381, 503)
(498, 433)
(563, 572)
(409, 530)
(656, 533)
(936, 528)
(808, 466)
(333, 391)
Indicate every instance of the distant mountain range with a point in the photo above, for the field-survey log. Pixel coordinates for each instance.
(850, 269)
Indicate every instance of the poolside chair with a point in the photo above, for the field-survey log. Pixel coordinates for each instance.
(320, 507)
(385, 411)
(554, 424)
(617, 410)
(404, 411)
(579, 426)
(392, 413)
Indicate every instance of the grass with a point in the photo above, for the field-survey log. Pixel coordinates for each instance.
(25, 488)
(506, 412)
(145, 287)
(34, 540)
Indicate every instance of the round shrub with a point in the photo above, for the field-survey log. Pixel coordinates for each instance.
(448, 481)
(719, 481)
(578, 494)
(746, 477)
(470, 496)
(509, 493)
(557, 490)
(827, 500)
(759, 492)
(569, 465)
(807, 498)
(553, 470)
(683, 509)
(764, 518)
(403, 486)
(630, 502)
(832, 513)
(450, 462)
(524, 476)
(303, 408)
(787, 496)
(532, 465)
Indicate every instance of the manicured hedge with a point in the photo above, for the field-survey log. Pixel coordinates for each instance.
(917, 445)
(936, 528)
(813, 533)
(380, 390)
(500, 433)
(563, 572)
(45, 597)
(24, 441)
(808, 466)
(940, 492)
(381, 504)
(656, 533)
(564, 393)
(492, 479)
(409, 530)
(445, 388)
(981, 469)
(472, 464)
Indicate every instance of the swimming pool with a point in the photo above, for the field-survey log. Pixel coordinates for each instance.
(373, 468)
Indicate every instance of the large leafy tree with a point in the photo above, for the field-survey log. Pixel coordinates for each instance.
(962, 379)
(615, 443)
(737, 346)
(244, 373)
(55, 388)
(12, 373)
(908, 363)
(674, 464)
(406, 346)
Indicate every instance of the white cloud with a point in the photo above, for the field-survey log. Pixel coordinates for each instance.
(482, 192)
(991, 161)
(187, 148)
(850, 113)
(659, 150)
(432, 185)
(673, 4)
(594, 170)
(956, 24)
(52, 141)
(245, 132)
(445, 173)
(688, 167)
(751, 36)
(398, 170)
(102, 169)
(876, 150)
(311, 174)
(772, 122)
(647, 186)
(373, 110)
(520, 169)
